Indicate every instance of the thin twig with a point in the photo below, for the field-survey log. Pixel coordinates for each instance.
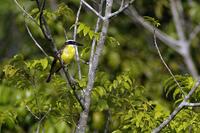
(194, 33)
(36, 43)
(45, 114)
(38, 127)
(92, 9)
(169, 41)
(163, 61)
(31, 112)
(84, 62)
(108, 115)
(25, 12)
(177, 20)
(65, 33)
(121, 9)
(192, 104)
(75, 32)
(96, 30)
(122, 4)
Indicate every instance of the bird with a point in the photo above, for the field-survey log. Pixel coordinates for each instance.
(66, 54)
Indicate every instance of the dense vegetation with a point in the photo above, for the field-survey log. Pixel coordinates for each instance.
(133, 91)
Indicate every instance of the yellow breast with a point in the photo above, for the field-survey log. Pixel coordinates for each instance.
(68, 54)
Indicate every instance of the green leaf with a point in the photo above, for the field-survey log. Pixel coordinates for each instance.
(81, 26)
(86, 30)
(100, 90)
(176, 92)
(117, 131)
(91, 34)
(126, 85)
(152, 20)
(112, 41)
(10, 71)
(102, 105)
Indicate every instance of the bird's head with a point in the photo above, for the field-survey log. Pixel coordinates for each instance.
(72, 42)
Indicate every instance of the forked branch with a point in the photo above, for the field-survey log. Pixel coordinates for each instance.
(183, 104)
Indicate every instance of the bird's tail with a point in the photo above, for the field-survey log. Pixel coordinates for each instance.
(48, 78)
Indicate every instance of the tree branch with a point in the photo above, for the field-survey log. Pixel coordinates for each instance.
(121, 9)
(96, 30)
(178, 109)
(192, 104)
(184, 49)
(165, 64)
(44, 27)
(36, 43)
(180, 46)
(75, 32)
(194, 33)
(25, 12)
(45, 30)
(27, 107)
(92, 9)
(82, 124)
(177, 20)
(38, 127)
(172, 43)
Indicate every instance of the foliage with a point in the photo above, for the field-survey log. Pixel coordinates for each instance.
(173, 91)
(128, 95)
(122, 97)
(34, 96)
(152, 20)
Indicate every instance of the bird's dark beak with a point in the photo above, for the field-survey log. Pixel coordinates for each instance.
(70, 42)
(78, 44)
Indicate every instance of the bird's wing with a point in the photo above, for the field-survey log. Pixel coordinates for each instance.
(58, 53)
(53, 66)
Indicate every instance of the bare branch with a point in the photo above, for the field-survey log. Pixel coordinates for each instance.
(174, 44)
(190, 64)
(192, 104)
(184, 49)
(65, 33)
(92, 71)
(45, 114)
(177, 20)
(165, 64)
(108, 115)
(75, 32)
(180, 46)
(38, 127)
(96, 30)
(194, 33)
(180, 10)
(92, 9)
(178, 109)
(44, 27)
(25, 12)
(121, 9)
(36, 43)
(122, 4)
(84, 62)
(31, 112)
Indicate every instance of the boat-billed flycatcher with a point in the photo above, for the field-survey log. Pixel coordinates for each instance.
(66, 53)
